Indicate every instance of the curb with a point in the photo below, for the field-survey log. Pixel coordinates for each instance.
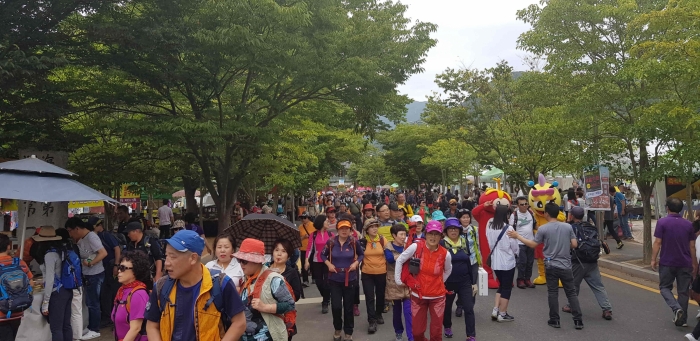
(630, 270)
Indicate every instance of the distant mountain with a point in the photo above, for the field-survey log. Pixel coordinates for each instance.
(415, 109)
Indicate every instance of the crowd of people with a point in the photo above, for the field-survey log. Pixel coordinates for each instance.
(416, 260)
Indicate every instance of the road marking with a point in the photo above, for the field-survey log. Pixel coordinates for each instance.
(640, 286)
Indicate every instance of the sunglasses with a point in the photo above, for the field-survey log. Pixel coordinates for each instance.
(122, 268)
(243, 262)
(453, 204)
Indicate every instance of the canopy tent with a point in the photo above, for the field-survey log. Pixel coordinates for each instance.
(32, 179)
(491, 174)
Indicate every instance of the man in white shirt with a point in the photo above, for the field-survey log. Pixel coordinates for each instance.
(523, 221)
(165, 219)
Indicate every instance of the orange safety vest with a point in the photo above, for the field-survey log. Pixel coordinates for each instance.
(206, 321)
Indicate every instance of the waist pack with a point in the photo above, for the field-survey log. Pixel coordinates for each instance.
(15, 288)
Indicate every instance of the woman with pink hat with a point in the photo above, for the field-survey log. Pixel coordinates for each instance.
(429, 266)
(264, 293)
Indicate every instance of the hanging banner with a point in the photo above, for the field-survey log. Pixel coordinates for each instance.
(44, 213)
(127, 196)
(596, 182)
(82, 204)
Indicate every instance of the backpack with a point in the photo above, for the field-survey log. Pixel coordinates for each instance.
(71, 270)
(219, 280)
(15, 288)
(127, 305)
(290, 317)
(588, 250)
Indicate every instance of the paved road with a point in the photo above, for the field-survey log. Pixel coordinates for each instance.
(638, 314)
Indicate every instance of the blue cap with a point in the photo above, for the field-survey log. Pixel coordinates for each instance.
(187, 240)
(437, 215)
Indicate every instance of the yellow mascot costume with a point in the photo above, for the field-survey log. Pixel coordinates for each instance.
(541, 194)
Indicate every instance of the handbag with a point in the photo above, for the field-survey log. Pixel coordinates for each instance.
(503, 231)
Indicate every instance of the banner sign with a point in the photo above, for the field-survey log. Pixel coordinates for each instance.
(596, 182)
(127, 196)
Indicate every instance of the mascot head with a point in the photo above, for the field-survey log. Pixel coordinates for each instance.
(499, 198)
(542, 193)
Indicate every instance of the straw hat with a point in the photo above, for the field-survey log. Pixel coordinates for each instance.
(47, 233)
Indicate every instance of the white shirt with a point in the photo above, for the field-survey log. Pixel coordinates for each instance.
(164, 214)
(503, 256)
(406, 255)
(233, 270)
(697, 248)
(523, 226)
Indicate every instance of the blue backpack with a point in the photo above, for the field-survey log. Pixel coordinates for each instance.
(71, 270)
(15, 289)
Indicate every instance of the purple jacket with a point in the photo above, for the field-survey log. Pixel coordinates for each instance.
(342, 256)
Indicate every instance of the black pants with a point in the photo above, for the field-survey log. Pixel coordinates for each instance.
(304, 273)
(505, 282)
(374, 287)
(566, 276)
(110, 286)
(164, 231)
(610, 225)
(59, 315)
(526, 257)
(342, 298)
(320, 275)
(463, 293)
(8, 330)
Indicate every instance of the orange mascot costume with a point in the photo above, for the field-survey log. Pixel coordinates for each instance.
(541, 194)
(482, 214)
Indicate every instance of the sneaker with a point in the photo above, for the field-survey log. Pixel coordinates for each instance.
(399, 337)
(678, 317)
(459, 311)
(386, 308)
(607, 314)
(380, 319)
(553, 323)
(448, 333)
(305, 284)
(620, 245)
(90, 335)
(356, 310)
(471, 338)
(85, 331)
(372, 327)
(521, 284)
(566, 309)
(494, 314)
(529, 284)
(505, 317)
(690, 337)
(324, 308)
(578, 324)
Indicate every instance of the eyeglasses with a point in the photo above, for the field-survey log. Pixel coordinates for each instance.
(122, 268)
(522, 204)
(243, 261)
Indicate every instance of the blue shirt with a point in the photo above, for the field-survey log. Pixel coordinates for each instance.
(342, 256)
(390, 255)
(185, 298)
(109, 241)
(619, 200)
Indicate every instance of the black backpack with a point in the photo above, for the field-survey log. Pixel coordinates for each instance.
(588, 250)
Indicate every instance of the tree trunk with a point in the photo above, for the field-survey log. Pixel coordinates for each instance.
(645, 191)
(190, 185)
(689, 198)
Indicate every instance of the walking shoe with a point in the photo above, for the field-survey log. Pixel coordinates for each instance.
(355, 310)
(305, 284)
(678, 317)
(448, 333)
(90, 335)
(553, 323)
(521, 284)
(459, 311)
(620, 245)
(578, 324)
(607, 314)
(399, 337)
(529, 284)
(505, 317)
(471, 338)
(372, 327)
(380, 319)
(494, 314)
(85, 331)
(337, 337)
(324, 308)
(690, 337)
(566, 309)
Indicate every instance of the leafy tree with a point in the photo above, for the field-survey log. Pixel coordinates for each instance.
(587, 45)
(370, 170)
(404, 147)
(223, 76)
(454, 157)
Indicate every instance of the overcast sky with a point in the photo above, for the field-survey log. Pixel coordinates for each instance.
(473, 33)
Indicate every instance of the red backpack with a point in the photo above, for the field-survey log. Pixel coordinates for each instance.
(290, 317)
